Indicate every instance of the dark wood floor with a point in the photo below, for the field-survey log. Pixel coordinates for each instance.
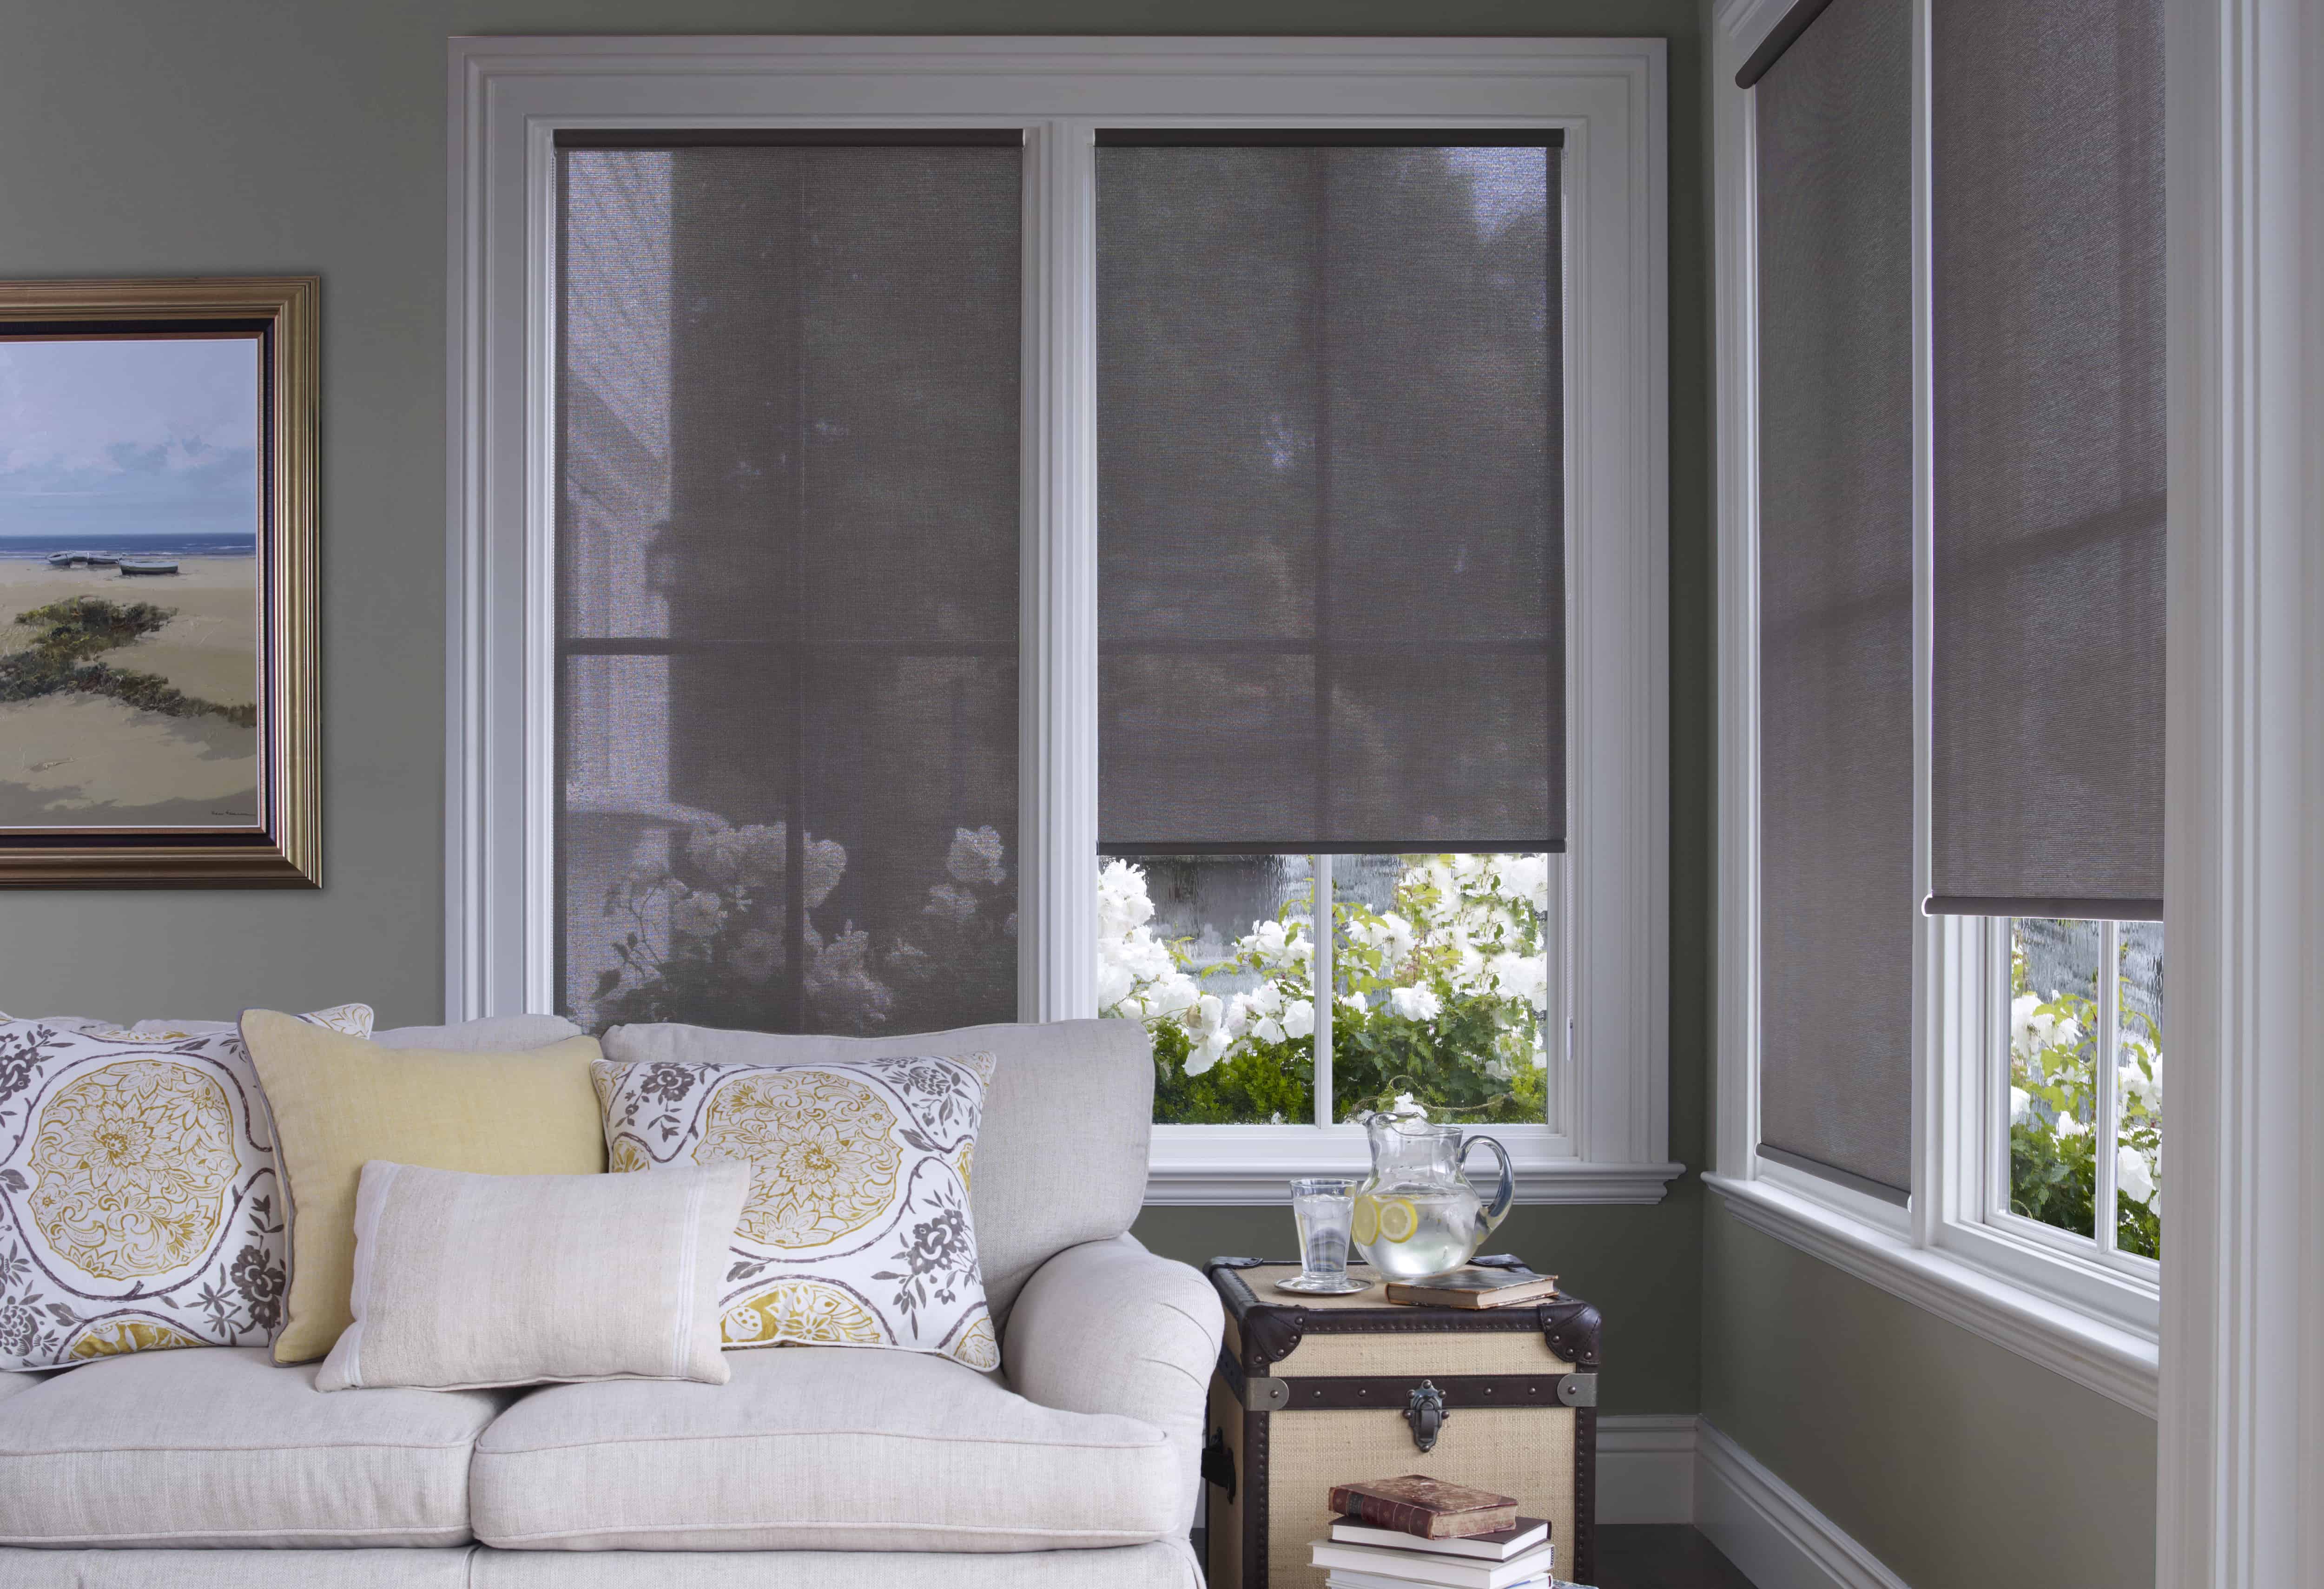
(1657, 1556)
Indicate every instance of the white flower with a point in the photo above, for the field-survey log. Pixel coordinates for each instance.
(2132, 1174)
(1298, 1018)
(1407, 1108)
(1526, 878)
(2021, 1106)
(1521, 976)
(1122, 905)
(1276, 942)
(2032, 1033)
(2138, 1089)
(1355, 1001)
(1115, 984)
(1206, 1027)
(950, 902)
(1416, 1003)
(2066, 1125)
(698, 915)
(977, 856)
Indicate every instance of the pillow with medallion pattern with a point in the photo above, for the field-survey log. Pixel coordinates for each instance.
(856, 1230)
(141, 1207)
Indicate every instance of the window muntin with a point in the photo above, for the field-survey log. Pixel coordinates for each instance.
(788, 626)
(2083, 1137)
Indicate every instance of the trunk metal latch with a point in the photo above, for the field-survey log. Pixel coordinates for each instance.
(1425, 1411)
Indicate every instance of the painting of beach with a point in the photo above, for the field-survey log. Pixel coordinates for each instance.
(130, 584)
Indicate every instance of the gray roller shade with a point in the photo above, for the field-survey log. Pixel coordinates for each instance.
(787, 574)
(2047, 160)
(1330, 588)
(1836, 595)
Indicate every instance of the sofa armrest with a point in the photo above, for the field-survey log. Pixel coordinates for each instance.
(1109, 1328)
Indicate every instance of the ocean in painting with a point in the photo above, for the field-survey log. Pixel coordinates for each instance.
(155, 545)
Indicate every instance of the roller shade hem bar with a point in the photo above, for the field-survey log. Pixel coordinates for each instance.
(2044, 910)
(1846, 1177)
(1331, 138)
(1129, 849)
(1780, 37)
(617, 138)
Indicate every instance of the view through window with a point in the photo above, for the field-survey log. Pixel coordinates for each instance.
(2085, 1064)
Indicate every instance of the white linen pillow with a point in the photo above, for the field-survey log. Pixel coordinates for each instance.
(489, 1034)
(857, 1230)
(466, 1281)
(141, 1201)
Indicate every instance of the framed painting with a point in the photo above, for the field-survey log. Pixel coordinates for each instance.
(158, 650)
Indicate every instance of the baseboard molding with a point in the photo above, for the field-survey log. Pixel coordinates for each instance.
(1768, 1529)
(1645, 1468)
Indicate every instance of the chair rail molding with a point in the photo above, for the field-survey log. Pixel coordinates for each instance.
(2243, 1353)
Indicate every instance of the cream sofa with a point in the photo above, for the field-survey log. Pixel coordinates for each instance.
(1075, 1466)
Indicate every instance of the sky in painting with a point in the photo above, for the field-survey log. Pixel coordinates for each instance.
(110, 440)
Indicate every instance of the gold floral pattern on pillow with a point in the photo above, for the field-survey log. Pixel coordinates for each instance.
(140, 1207)
(857, 1232)
(130, 1166)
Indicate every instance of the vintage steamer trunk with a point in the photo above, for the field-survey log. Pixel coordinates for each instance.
(1312, 1392)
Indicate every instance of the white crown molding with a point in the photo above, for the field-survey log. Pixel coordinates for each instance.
(1770, 1530)
(2115, 1362)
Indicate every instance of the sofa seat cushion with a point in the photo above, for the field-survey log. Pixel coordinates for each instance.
(220, 1447)
(817, 1448)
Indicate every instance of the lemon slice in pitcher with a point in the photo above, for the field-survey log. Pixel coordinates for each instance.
(1363, 1229)
(1397, 1218)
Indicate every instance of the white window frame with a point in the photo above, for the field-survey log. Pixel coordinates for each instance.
(2022, 1288)
(509, 97)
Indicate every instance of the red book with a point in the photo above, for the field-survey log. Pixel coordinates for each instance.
(1427, 1507)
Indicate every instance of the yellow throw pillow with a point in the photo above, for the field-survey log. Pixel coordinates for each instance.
(339, 1102)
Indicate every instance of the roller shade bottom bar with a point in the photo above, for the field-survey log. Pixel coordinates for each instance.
(1846, 1177)
(1132, 848)
(2044, 909)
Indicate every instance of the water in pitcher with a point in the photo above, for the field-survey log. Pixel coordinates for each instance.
(1444, 1232)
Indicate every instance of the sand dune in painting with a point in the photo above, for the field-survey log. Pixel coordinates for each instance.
(73, 758)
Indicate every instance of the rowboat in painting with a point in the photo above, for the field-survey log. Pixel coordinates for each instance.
(148, 566)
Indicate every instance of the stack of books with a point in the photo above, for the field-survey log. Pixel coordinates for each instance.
(1414, 1531)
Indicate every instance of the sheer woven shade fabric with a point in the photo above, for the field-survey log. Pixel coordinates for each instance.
(1836, 595)
(786, 550)
(1329, 498)
(2048, 287)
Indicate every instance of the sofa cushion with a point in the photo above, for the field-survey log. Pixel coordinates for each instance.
(817, 1448)
(221, 1447)
(1167, 1563)
(1060, 1155)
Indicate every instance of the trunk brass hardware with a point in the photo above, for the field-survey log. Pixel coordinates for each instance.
(1425, 1413)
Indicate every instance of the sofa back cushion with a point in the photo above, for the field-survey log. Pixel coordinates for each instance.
(1061, 1154)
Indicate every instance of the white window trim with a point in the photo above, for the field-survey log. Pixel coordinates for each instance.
(1609, 96)
(2081, 1317)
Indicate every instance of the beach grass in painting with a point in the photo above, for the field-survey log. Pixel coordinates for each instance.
(129, 700)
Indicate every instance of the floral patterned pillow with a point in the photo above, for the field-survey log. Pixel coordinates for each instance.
(140, 1204)
(856, 1230)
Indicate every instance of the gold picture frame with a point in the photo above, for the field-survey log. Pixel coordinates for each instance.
(193, 836)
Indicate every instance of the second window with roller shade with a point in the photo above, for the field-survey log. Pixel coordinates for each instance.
(1332, 629)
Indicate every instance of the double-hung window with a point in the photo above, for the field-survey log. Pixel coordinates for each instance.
(1035, 529)
(1942, 1045)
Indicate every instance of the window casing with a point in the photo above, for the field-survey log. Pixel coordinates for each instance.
(1606, 1140)
(1954, 1247)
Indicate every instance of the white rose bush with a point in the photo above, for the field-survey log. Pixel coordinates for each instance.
(1444, 997)
(2053, 1147)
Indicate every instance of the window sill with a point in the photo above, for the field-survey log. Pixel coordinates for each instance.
(1252, 1164)
(2115, 1362)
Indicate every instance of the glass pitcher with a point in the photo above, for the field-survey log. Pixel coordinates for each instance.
(1416, 1215)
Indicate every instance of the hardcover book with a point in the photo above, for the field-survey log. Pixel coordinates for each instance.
(1414, 1503)
(1409, 1567)
(1474, 1288)
(1498, 1546)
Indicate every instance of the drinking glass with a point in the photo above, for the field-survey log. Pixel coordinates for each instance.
(1325, 1210)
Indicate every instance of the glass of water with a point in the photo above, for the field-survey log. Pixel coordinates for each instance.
(1325, 1209)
